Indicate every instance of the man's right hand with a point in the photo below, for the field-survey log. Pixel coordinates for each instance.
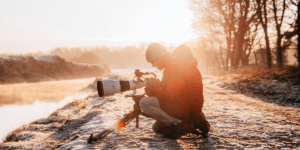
(151, 92)
(153, 87)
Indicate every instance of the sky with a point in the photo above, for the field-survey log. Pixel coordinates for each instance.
(41, 25)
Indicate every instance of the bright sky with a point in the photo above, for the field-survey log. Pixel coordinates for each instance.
(31, 25)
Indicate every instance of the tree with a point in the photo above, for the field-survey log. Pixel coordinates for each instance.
(228, 25)
(296, 27)
(246, 16)
(284, 36)
(230, 18)
(87, 58)
(278, 24)
(211, 35)
(249, 43)
(262, 15)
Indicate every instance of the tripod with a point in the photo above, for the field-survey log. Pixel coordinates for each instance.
(125, 120)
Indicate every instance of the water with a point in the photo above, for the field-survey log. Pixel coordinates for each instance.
(14, 116)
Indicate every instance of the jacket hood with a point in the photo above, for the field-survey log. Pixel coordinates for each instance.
(184, 54)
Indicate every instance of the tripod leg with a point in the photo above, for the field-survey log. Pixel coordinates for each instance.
(137, 121)
(119, 125)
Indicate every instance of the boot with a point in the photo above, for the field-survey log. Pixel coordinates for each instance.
(176, 131)
(202, 124)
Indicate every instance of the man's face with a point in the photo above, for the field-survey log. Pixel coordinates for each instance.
(158, 63)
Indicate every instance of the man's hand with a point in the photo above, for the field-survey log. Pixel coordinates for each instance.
(150, 91)
(153, 87)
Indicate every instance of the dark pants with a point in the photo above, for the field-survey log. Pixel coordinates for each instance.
(161, 128)
(200, 123)
(171, 131)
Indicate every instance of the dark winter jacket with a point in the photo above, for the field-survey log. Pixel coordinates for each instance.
(182, 88)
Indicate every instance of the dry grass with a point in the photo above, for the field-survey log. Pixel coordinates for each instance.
(76, 102)
(52, 91)
(14, 133)
(54, 113)
(255, 74)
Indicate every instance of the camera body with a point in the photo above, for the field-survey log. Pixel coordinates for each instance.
(110, 87)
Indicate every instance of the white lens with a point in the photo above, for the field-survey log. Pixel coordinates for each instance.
(110, 87)
(136, 85)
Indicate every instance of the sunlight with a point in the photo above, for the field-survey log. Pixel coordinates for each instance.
(78, 23)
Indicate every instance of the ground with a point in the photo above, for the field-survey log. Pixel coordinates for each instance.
(237, 122)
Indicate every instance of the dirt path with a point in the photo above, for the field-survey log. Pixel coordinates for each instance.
(237, 122)
(240, 122)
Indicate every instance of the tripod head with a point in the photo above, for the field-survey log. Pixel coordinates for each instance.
(139, 75)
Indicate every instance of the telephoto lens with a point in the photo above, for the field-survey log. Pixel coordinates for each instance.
(110, 87)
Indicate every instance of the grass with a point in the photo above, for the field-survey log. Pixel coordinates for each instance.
(260, 73)
(76, 103)
(54, 113)
(10, 136)
(51, 91)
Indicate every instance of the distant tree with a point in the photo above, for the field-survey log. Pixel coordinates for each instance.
(87, 58)
(57, 51)
(113, 57)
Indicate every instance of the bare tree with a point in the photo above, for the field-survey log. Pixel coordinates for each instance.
(262, 15)
(232, 18)
(278, 24)
(208, 26)
(279, 15)
(296, 27)
(227, 10)
(245, 15)
(249, 43)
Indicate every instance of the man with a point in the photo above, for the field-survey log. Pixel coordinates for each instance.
(177, 101)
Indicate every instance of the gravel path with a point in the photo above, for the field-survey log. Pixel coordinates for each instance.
(237, 122)
(240, 122)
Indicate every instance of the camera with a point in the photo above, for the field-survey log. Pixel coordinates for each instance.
(110, 87)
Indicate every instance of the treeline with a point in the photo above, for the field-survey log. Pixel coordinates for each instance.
(233, 32)
(113, 57)
(16, 69)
